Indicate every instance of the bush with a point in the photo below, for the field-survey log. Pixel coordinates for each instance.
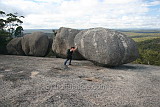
(5, 37)
(149, 52)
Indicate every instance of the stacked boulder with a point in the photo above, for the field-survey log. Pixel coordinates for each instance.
(65, 40)
(106, 47)
(14, 47)
(100, 45)
(35, 44)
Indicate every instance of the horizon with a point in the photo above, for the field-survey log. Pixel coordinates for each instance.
(121, 30)
(96, 27)
(84, 14)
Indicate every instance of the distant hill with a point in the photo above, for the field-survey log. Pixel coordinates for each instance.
(122, 30)
(140, 30)
(49, 32)
(38, 30)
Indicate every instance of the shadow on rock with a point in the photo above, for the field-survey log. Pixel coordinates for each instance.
(59, 71)
(128, 67)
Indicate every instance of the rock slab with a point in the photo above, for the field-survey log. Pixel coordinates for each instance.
(106, 47)
(42, 82)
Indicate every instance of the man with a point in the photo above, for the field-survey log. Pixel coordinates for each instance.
(69, 55)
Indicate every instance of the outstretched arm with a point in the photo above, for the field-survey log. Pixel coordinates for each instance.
(75, 48)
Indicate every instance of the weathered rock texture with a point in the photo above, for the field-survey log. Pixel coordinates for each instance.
(106, 47)
(64, 40)
(35, 44)
(49, 51)
(14, 47)
(44, 82)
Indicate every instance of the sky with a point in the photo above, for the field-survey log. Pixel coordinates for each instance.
(82, 14)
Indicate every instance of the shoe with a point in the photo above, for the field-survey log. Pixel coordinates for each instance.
(65, 66)
(70, 64)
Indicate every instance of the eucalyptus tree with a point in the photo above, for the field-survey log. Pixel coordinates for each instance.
(10, 26)
(10, 22)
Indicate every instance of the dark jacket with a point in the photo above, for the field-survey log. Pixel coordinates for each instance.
(69, 54)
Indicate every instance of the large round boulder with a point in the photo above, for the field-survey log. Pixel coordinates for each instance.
(14, 47)
(106, 47)
(64, 40)
(35, 44)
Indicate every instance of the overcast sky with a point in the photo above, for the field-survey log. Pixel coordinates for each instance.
(50, 14)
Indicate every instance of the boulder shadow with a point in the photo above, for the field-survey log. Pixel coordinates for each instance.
(129, 67)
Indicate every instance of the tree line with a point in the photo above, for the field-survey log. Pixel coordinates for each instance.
(10, 27)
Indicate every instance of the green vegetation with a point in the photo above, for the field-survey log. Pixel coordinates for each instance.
(145, 38)
(139, 35)
(4, 39)
(148, 45)
(9, 28)
(149, 51)
(18, 32)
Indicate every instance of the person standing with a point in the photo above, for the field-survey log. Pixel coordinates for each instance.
(69, 55)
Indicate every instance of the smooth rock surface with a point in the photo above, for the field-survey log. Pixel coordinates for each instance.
(35, 44)
(106, 47)
(65, 40)
(14, 47)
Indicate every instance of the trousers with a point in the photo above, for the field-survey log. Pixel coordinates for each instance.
(68, 59)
